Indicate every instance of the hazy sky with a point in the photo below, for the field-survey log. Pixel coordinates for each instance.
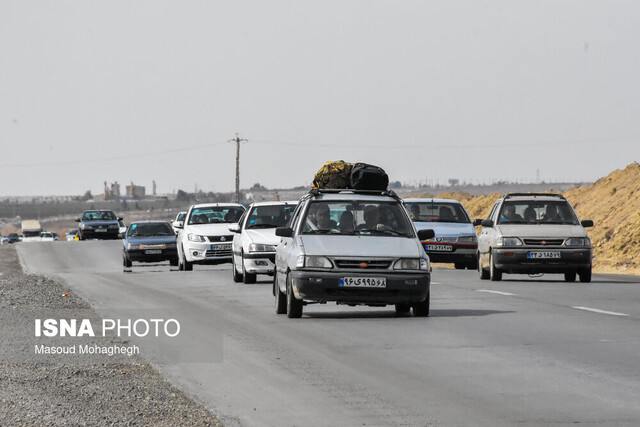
(152, 90)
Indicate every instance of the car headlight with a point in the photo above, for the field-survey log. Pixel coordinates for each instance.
(313, 261)
(259, 247)
(132, 247)
(468, 239)
(577, 241)
(86, 227)
(195, 237)
(508, 241)
(411, 264)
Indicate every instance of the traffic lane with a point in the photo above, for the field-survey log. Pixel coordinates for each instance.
(606, 294)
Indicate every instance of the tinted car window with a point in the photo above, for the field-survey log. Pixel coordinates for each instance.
(269, 216)
(215, 215)
(537, 212)
(437, 212)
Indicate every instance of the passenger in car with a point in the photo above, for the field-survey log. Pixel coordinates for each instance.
(446, 215)
(415, 212)
(551, 214)
(346, 221)
(371, 218)
(530, 214)
(509, 214)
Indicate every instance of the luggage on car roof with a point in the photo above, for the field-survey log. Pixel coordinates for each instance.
(368, 177)
(333, 175)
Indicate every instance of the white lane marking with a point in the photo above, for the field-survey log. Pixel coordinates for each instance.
(495, 292)
(595, 310)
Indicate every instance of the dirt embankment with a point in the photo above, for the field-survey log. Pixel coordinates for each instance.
(612, 202)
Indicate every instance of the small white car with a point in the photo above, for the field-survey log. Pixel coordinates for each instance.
(178, 222)
(204, 238)
(255, 241)
(46, 236)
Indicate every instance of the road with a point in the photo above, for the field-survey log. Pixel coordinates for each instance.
(531, 351)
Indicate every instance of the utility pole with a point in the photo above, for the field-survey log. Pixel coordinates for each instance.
(237, 140)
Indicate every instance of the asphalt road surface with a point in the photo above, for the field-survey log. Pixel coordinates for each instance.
(527, 351)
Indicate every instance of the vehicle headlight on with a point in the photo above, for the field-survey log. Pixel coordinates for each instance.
(259, 247)
(508, 241)
(132, 247)
(411, 264)
(195, 237)
(467, 239)
(313, 261)
(577, 241)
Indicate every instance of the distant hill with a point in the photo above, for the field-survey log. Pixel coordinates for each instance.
(612, 202)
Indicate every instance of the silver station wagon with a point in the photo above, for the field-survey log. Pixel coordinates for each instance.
(351, 247)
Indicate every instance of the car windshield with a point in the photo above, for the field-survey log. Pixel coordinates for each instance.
(215, 215)
(437, 212)
(181, 216)
(148, 229)
(99, 216)
(269, 216)
(357, 218)
(537, 212)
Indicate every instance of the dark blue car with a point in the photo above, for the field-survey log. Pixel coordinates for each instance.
(99, 224)
(149, 241)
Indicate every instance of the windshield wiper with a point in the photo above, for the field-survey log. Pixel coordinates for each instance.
(329, 231)
(263, 226)
(385, 231)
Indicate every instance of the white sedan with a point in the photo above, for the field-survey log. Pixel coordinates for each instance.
(204, 238)
(255, 240)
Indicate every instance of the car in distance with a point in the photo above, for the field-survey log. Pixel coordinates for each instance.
(149, 241)
(533, 233)
(204, 238)
(455, 239)
(47, 236)
(71, 234)
(255, 240)
(179, 221)
(351, 247)
(98, 224)
(13, 238)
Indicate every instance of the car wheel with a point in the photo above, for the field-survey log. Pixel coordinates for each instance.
(237, 277)
(281, 299)
(126, 262)
(421, 309)
(484, 274)
(403, 308)
(294, 306)
(183, 264)
(495, 274)
(459, 266)
(247, 278)
(585, 275)
(570, 276)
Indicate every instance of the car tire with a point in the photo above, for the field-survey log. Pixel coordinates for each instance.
(247, 278)
(237, 277)
(421, 309)
(281, 299)
(495, 274)
(459, 266)
(585, 275)
(484, 274)
(570, 276)
(126, 262)
(294, 306)
(183, 264)
(403, 308)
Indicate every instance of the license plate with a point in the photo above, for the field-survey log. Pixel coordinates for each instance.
(546, 254)
(226, 247)
(363, 282)
(445, 248)
(153, 251)
(100, 230)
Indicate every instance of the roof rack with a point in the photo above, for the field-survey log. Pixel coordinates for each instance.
(509, 195)
(318, 191)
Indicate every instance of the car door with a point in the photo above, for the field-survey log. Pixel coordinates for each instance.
(239, 239)
(487, 236)
(285, 249)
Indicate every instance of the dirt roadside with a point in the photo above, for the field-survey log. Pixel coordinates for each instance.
(33, 392)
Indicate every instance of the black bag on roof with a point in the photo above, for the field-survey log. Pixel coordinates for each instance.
(368, 177)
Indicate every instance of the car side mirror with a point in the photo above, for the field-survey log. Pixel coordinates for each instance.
(77, 220)
(426, 234)
(586, 223)
(120, 219)
(477, 222)
(284, 232)
(486, 223)
(179, 224)
(235, 228)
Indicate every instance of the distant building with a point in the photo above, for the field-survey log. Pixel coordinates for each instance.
(135, 191)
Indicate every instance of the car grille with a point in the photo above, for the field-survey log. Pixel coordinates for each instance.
(356, 263)
(224, 252)
(543, 242)
(220, 238)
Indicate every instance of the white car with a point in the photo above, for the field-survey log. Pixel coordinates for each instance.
(204, 238)
(46, 236)
(178, 222)
(255, 241)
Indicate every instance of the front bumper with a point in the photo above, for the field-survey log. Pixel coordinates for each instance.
(322, 286)
(143, 255)
(466, 253)
(512, 260)
(259, 262)
(206, 252)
